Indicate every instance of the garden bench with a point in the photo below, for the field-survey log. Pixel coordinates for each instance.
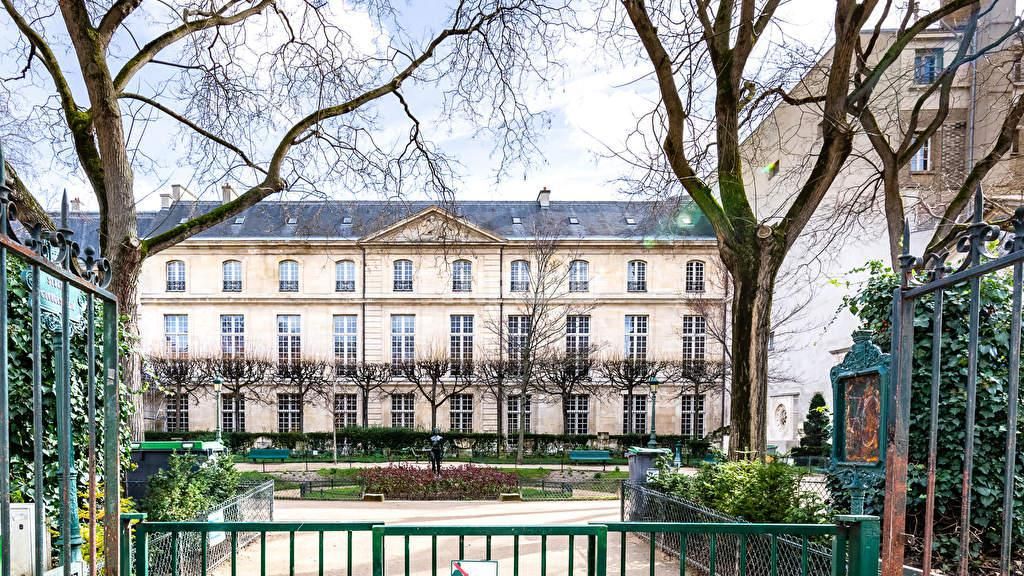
(602, 456)
(265, 454)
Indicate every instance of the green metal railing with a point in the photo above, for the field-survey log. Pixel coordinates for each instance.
(595, 535)
(230, 531)
(728, 547)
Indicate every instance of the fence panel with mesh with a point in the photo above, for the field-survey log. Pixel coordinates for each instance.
(641, 504)
(254, 504)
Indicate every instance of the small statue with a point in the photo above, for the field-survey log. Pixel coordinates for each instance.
(436, 451)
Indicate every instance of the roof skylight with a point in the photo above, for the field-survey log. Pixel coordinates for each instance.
(631, 221)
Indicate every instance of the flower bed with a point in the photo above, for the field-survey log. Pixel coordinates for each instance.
(405, 482)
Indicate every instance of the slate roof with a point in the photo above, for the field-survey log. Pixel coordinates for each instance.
(329, 219)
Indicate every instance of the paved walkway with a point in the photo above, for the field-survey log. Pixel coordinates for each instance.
(298, 466)
(457, 513)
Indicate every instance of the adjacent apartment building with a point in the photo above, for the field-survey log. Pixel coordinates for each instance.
(850, 229)
(391, 282)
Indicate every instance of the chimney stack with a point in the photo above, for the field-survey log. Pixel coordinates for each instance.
(544, 198)
(227, 193)
(176, 192)
(165, 200)
(76, 205)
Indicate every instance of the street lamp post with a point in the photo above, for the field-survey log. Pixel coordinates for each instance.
(218, 383)
(653, 383)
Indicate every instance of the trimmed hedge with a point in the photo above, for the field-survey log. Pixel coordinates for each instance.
(469, 482)
(373, 440)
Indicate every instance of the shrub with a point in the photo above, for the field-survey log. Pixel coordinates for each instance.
(817, 438)
(188, 487)
(454, 483)
(751, 490)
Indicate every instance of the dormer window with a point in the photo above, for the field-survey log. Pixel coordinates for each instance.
(574, 220)
(345, 276)
(403, 276)
(175, 276)
(636, 276)
(292, 220)
(517, 220)
(630, 221)
(240, 220)
(288, 276)
(346, 220)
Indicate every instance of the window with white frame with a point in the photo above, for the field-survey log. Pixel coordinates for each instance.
(232, 335)
(518, 411)
(232, 276)
(289, 412)
(403, 276)
(694, 276)
(578, 414)
(289, 341)
(921, 161)
(176, 334)
(344, 276)
(403, 341)
(345, 344)
(460, 416)
(462, 276)
(229, 421)
(636, 337)
(694, 337)
(520, 276)
(403, 410)
(345, 412)
(518, 340)
(461, 344)
(288, 276)
(175, 276)
(693, 415)
(177, 412)
(634, 414)
(927, 65)
(577, 341)
(636, 276)
(579, 276)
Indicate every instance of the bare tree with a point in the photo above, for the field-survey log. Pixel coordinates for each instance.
(177, 374)
(307, 377)
(367, 378)
(536, 311)
(700, 53)
(626, 375)
(430, 375)
(562, 376)
(498, 378)
(275, 96)
(243, 376)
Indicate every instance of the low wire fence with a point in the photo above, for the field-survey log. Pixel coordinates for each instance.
(755, 557)
(254, 504)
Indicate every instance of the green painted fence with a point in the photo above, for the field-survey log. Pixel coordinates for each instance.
(405, 549)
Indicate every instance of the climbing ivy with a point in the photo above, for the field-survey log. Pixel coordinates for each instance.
(19, 347)
(872, 305)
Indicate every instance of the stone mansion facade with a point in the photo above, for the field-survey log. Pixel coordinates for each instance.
(390, 282)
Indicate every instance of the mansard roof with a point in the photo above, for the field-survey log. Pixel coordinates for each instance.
(356, 220)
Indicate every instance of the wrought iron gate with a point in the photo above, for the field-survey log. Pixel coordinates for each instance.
(984, 251)
(71, 321)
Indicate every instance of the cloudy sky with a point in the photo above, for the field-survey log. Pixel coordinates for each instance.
(592, 105)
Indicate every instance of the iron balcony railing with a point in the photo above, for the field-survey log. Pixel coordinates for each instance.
(344, 285)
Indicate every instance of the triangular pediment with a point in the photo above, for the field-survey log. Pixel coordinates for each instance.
(433, 226)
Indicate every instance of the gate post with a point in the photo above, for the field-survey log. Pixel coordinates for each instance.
(378, 551)
(863, 544)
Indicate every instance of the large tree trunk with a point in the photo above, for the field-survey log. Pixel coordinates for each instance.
(499, 399)
(366, 409)
(751, 320)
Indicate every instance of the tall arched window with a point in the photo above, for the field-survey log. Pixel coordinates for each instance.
(288, 276)
(345, 276)
(694, 276)
(403, 276)
(579, 276)
(520, 281)
(232, 276)
(462, 276)
(636, 276)
(175, 276)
